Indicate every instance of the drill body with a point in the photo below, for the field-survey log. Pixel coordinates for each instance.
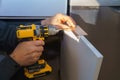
(36, 32)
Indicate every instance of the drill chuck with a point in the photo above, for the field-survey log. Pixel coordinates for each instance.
(52, 30)
(46, 30)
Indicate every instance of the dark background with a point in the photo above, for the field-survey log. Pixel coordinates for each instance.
(105, 36)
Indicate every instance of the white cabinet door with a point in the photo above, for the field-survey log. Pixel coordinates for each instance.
(30, 8)
(80, 60)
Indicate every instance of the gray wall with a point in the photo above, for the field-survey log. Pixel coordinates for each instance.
(95, 2)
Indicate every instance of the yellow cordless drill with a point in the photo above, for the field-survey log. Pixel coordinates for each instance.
(36, 32)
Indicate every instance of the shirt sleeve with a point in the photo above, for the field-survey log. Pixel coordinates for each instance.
(8, 67)
(8, 39)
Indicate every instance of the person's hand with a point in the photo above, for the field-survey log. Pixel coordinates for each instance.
(60, 21)
(28, 52)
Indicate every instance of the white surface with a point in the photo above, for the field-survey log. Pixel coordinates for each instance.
(95, 2)
(32, 7)
(80, 60)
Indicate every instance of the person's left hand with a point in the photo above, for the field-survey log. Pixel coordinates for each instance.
(60, 21)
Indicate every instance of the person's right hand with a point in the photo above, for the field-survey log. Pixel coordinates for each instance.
(28, 52)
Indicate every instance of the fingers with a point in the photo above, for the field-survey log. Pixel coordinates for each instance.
(70, 22)
(46, 21)
(34, 49)
(33, 46)
(39, 48)
(34, 57)
(67, 20)
(62, 26)
(43, 22)
(38, 43)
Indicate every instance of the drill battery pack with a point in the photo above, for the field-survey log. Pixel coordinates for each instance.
(41, 68)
